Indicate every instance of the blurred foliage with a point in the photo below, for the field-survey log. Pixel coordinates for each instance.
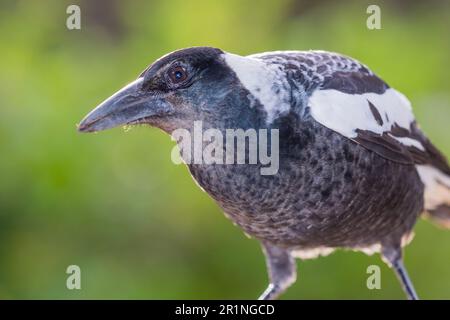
(114, 204)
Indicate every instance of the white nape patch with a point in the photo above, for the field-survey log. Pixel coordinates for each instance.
(264, 82)
(437, 186)
(345, 113)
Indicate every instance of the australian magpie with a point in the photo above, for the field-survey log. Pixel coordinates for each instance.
(355, 171)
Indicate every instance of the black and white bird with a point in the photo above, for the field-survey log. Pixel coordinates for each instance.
(355, 170)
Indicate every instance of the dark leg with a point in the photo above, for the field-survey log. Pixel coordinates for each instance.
(282, 271)
(393, 257)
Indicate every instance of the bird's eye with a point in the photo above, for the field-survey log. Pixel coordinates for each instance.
(177, 74)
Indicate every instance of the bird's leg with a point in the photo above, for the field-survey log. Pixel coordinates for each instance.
(393, 257)
(282, 271)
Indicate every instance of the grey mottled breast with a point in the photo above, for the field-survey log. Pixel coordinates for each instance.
(329, 191)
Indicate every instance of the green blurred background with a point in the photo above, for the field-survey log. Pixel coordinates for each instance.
(114, 204)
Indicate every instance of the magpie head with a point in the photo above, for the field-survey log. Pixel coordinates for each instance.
(194, 84)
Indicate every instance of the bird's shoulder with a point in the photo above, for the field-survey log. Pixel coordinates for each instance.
(312, 69)
(345, 96)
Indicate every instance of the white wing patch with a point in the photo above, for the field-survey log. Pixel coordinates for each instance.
(346, 113)
(409, 142)
(265, 82)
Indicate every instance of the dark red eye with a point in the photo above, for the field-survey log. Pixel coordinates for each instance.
(177, 74)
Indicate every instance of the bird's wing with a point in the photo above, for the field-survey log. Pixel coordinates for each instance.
(347, 97)
(361, 107)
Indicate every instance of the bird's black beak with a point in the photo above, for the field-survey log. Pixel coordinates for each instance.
(129, 105)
